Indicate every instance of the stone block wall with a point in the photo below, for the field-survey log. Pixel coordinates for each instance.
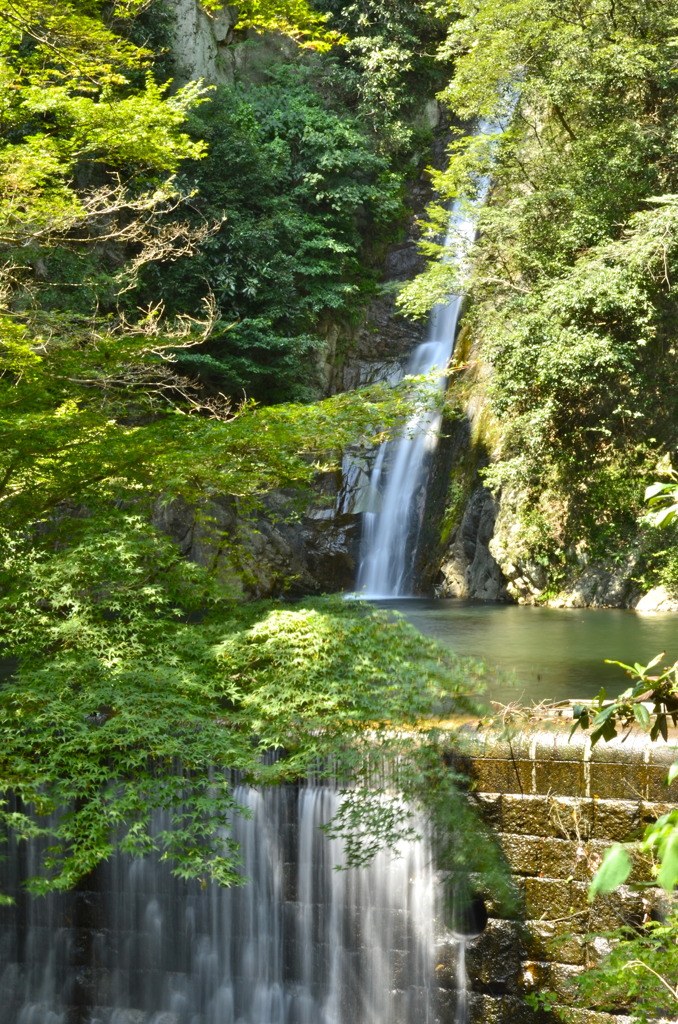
(555, 804)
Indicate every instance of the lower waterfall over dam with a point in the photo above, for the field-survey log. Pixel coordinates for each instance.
(300, 943)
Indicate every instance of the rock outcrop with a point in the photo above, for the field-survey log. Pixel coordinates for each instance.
(200, 41)
(206, 44)
(588, 583)
(272, 552)
(601, 586)
(470, 569)
(656, 600)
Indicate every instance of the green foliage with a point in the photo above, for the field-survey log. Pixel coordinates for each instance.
(572, 280)
(660, 690)
(139, 681)
(660, 841)
(295, 18)
(640, 969)
(136, 682)
(640, 972)
(140, 686)
(649, 705)
(72, 43)
(137, 675)
(660, 557)
(67, 99)
(389, 62)
(544, 1000)
(303, 189)
(89, 421)
(105, 189)
(662, 499)
(613, 871)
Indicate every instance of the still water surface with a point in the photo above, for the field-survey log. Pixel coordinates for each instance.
(550, 653)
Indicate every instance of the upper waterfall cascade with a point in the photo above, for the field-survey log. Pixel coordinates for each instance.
(397, 486)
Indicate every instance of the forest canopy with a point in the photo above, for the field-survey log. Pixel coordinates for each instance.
(174, 258)
(572, 277)
(145, 299)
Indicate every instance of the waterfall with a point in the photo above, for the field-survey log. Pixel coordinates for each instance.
(397, 487)
(469, 919)
(300, 943)
(462, 982)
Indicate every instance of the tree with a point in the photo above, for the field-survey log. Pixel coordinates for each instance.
(571, 287)
(141, 686)
(390, 63)
(296, 18)
(135, 681)
(641, 970)
(305, 190)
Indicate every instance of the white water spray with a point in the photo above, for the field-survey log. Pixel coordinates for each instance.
(300, 943)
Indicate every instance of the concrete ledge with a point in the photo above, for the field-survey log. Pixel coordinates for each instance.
(564, 817)
(550, 740)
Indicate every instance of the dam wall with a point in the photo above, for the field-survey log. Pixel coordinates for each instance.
(304, 944)
(555, 804)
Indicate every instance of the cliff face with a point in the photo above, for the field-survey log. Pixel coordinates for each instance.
(201, 42)
(572, 295)
(481, 546)
(206, 45)
(476, 540)
(294, 545)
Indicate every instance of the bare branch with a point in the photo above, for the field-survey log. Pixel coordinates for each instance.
(167, 243)
(160, 382)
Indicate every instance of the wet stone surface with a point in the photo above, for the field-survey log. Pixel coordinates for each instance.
(555, 806)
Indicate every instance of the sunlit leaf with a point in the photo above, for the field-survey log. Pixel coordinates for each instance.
(668, 872)
(642, 715)
(613, 871)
